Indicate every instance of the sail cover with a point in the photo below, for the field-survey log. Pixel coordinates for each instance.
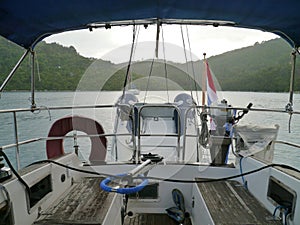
(26, 22)
(256, 141)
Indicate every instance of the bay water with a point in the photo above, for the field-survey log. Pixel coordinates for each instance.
(32, 125)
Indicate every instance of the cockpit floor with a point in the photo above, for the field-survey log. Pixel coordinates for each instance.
(85, 203)
(153, 219)
(230, 203)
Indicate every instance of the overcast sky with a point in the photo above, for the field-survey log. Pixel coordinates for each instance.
(212, 40)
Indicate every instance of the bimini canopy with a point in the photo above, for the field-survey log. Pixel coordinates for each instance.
(27, 22)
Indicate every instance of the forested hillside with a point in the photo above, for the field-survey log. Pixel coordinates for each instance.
(57, 67)
(262, 67)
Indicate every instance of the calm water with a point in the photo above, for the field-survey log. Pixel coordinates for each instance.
(38, 124)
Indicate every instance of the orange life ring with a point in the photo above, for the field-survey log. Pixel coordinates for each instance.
(89, 126)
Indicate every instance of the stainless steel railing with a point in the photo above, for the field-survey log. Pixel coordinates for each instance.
(114, 134)
(19, 143)
(139, 135)
(38, 109)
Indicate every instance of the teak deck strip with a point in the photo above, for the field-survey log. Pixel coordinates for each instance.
(229, 203)
(152, 219)
(85, 203)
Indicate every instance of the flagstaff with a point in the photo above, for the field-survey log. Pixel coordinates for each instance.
(204, 79)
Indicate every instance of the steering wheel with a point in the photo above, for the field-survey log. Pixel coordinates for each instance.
(126, 190)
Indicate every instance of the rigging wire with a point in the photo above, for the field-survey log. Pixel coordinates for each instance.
(148, 81)
(158, 24)
(32, 60)
(129, 62)
(192, 64)
(37, 67)
(133, 55)
(289, 106)
(290, 122)
(186, 60)
(193, 71)
(165, 64)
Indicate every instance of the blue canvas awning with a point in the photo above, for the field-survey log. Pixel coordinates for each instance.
(26, 22)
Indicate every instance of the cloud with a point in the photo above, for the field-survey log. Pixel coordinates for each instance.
(208, 39)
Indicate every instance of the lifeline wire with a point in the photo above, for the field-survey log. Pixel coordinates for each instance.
(73, 168)
(207, 180)
(16, 173)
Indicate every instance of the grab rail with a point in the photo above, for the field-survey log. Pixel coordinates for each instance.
(184, 131)
(114, 134)
(37, 109)
(287, 143)
(139, 126)
(59, 138)
(112, 105)
(56, 108)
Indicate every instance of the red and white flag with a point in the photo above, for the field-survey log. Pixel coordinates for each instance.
(211, 89)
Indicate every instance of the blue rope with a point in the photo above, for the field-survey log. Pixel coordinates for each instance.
(241, 170)
(286, 210)
(277, 207)
(286, 215)
(229, 127)
(125, 190)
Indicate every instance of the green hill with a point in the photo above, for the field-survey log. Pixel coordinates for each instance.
(262, 67)
(57, 67)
